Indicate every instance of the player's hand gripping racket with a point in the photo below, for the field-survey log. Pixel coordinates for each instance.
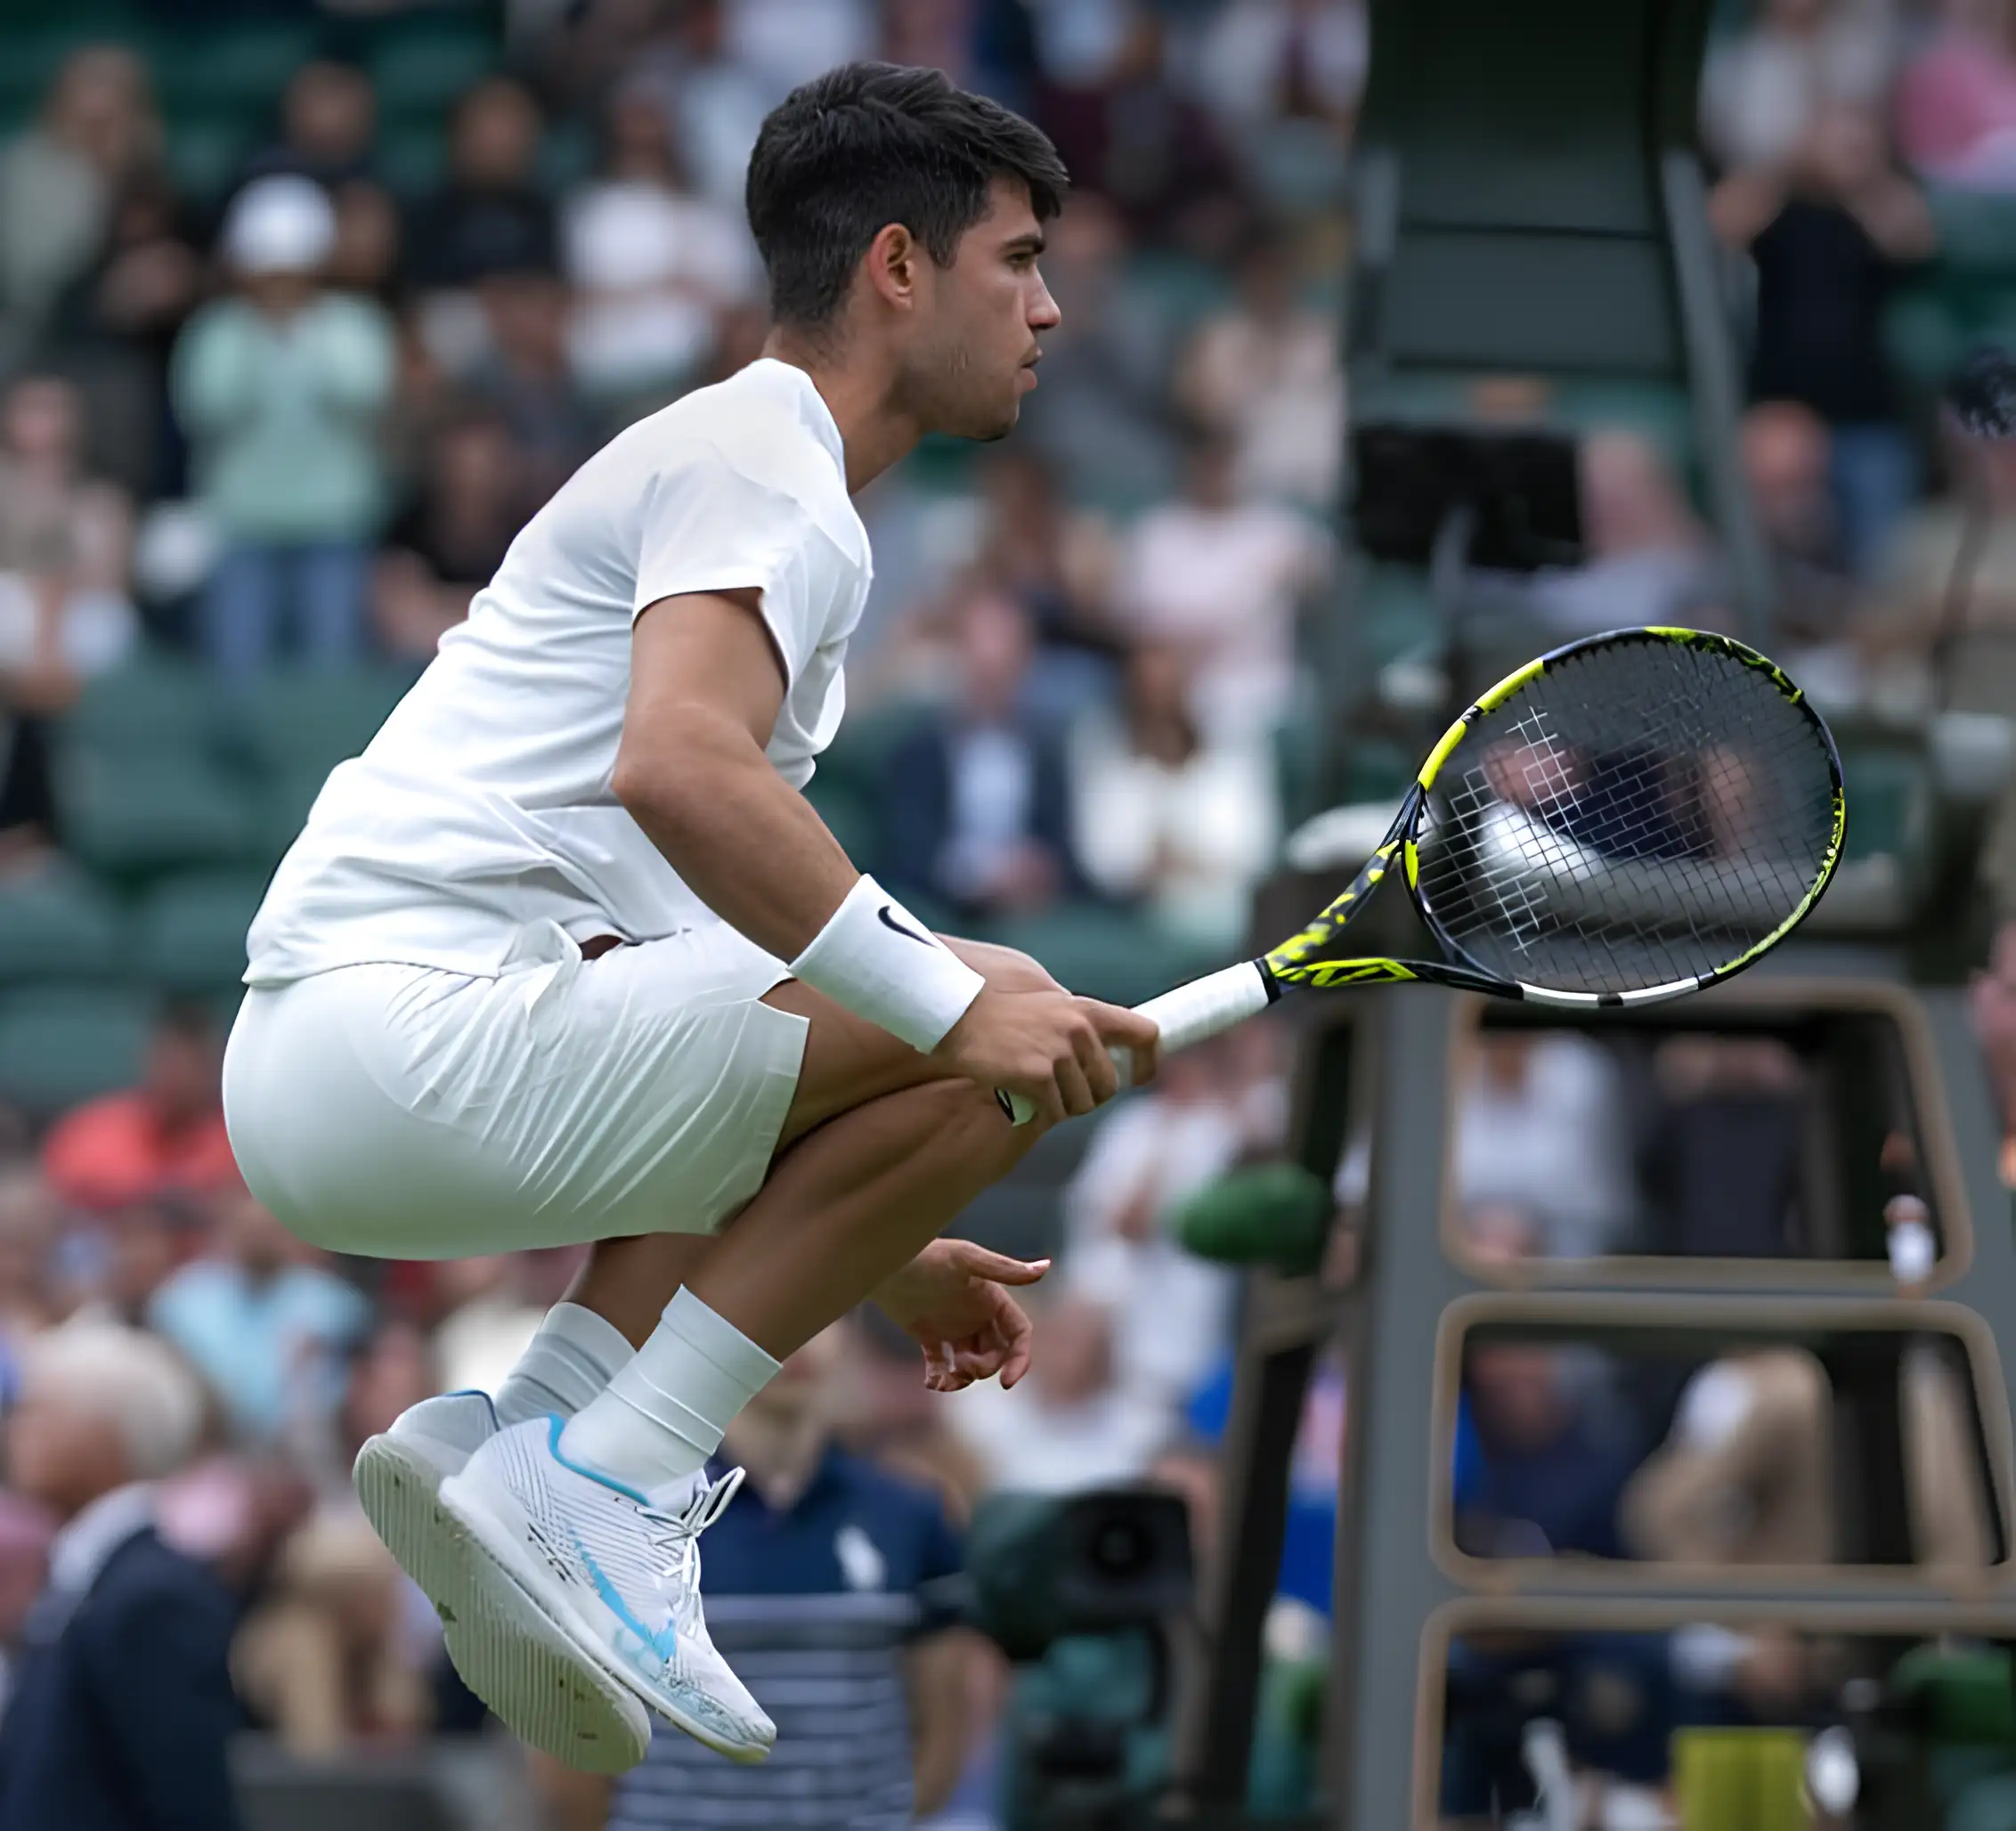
(1627, 819)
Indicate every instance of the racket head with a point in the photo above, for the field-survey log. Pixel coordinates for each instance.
(1628, 819)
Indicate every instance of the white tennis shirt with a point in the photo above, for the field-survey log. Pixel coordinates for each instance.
(480, 820)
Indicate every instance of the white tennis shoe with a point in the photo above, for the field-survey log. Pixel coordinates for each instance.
(538, 1683)
(565, 1551)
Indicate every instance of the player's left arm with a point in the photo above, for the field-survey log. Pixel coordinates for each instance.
(939, 1673)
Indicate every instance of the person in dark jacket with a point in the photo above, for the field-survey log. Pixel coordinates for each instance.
(121, 1709)
(976, 803)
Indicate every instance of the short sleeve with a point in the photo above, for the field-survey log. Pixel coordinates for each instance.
(707, 527)
(943, 1591)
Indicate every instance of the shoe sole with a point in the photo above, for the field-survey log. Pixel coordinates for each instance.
(513, 1657)
(504, 1589)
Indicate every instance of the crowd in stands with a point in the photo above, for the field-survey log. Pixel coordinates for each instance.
(284, 422)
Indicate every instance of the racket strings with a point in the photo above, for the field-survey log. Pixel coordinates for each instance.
(1640, 813)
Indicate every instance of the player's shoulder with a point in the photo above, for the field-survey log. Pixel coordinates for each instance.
(762, 433)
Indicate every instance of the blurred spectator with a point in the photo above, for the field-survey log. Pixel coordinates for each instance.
(1540, 1467)
(713, 103)
(1722, 1163)
(526, 378)
(1993, 1000)
(1059, 563)
(328, 123)
(835, 1589)
(1831, 232)
(122, 1711)
(651, 263)
(1956, 102)
(1787, 459)
(1267, 61)
(26, 1531)
(497, 1304)
(320, 1659)
(280, 388)
(1540, 1128)
(64, 613)
(114, 329)
(1646, 557)
(1070, 1423)
(1171, 1311)
(58, 178)
(265, 1322)
(1125, 132)
(141, 1246)
(1265, 374)
(167, 1133)
(1746, 1475)
(784, 43)
(1182, 825)
(1099, 416)
(448, 544)
(977, 802)
(1764, 87)
(28, 1233)
(489, 215)
(392, 1367)
(899, 1424)
(1224, 579)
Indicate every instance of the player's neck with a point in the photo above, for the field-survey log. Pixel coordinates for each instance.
(874, 430)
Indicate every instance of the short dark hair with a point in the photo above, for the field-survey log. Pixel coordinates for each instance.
(868, 144)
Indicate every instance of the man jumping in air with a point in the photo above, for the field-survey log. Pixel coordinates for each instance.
(565, 956)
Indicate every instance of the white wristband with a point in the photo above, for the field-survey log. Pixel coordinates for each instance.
(877, 960)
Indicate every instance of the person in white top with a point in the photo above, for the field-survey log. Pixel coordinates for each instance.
(565, 956)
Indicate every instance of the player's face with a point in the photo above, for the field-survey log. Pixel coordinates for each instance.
(976, 351)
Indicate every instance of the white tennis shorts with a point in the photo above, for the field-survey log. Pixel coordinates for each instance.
(406, 1112)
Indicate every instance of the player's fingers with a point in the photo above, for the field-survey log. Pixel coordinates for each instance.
(1021, 1339)
(1073, 1088)
(969, 1256)
(1122, 1029)
(1101, 1076)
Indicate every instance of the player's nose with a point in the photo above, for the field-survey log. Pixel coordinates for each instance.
(1043, 312)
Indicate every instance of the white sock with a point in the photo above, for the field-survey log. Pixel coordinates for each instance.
(662, 1417)
(574, 1356)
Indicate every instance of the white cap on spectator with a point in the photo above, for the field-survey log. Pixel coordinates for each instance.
(134, 1380)
(280, 224)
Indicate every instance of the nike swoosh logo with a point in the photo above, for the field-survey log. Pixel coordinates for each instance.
(890, 921)
(664, 1643)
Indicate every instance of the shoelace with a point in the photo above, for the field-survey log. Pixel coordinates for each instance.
(677, 1537)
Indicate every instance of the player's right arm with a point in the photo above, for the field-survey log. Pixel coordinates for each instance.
(707, 682)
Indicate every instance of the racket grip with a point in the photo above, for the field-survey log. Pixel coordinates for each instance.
(1191, 1013)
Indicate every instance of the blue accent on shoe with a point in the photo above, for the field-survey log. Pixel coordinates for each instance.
(559, 1424)
(664, 1643)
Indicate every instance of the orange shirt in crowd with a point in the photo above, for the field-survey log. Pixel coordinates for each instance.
(113, 1151)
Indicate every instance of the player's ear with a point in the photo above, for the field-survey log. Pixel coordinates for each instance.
(892, 263)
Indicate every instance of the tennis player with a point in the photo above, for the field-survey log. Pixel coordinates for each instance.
(565, 954)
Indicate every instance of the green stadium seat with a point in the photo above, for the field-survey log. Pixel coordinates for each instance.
(206, 154)
(157, 703)
(240, 67)
(55, 925)
(566, 156)
(311, 718)
(418, 70)
(412, 158)
(59, 1046)
(188, 930)
(134, 815)
(851, 818)
(1102, 953)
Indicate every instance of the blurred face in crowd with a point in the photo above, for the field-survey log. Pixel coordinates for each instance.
(805, 1388)
(145, 1251)
(42, 424)
(971, 348)
(1207, 478)
(640, 139)
(248, 1233)
(1516, 1386)
(182, 1077)
(496, 137)
(62, 1453)
(99, 108)
(394, 1371)
(1629, 501)
(1848, 149)
(475, 470)
(1076, 1364)
(330, 113)
(994, 653)
(1784, 462)
(526, 315)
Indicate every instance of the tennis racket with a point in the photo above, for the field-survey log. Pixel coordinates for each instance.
(1627, 819)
